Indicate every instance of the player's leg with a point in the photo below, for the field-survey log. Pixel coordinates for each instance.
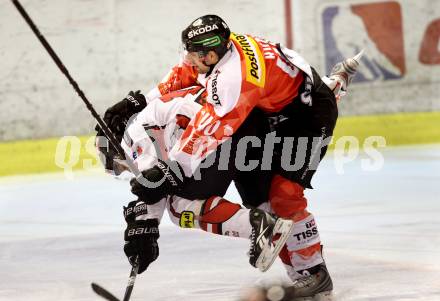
(219, 216)
(303, 247)
(311, 125)
(214, 215)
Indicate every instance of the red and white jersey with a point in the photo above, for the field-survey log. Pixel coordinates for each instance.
(157, 128)
(180, 77)
(252, 74)
(150, 135)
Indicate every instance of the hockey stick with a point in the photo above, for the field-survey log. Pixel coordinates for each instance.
(99, 290)
(110, 136)
(109, 296)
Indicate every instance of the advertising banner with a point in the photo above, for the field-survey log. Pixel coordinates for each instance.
(400, 69)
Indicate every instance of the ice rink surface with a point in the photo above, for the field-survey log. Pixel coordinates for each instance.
(381, 231)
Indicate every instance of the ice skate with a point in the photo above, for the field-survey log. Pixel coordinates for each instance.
(315, 285)
(269, 234)
(342, 74)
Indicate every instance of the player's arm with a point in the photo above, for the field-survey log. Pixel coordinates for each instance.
(142, 231)
(143, 216)
(181, 102)
(117, 116)
(229, 102)
(213, 124)
(141, 234)
(179, 77)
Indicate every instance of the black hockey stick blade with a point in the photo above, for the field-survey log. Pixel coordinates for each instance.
(99, 290)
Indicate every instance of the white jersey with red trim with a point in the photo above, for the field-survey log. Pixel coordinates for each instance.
(254, 73)
(164, 119)
(150, 136)
(154, 131)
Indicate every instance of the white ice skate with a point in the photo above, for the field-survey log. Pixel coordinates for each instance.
(342, 74)
(269, 234)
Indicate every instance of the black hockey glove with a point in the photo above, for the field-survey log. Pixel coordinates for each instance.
(164, 178)
(140, 236)
(117, 116)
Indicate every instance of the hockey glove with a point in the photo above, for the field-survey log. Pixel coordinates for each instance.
(141, 236)
(117, 116)
(163, 179)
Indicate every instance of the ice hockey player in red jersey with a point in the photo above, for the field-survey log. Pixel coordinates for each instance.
(147, 138)
(243, 73)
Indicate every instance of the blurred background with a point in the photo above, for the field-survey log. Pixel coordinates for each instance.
(113, 46)
(381, 227)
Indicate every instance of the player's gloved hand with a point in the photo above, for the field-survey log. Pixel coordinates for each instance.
(165, 178)
(117, 116)
(140, 236)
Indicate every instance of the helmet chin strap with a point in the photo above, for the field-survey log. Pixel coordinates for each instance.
(203, 61)
(219, 57)
(211, 67)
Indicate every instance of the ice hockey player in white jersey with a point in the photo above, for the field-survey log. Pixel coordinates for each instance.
(147, 140)
(243, 74)
(290, 93)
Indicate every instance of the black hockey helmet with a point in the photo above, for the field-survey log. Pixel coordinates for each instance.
(207, 33)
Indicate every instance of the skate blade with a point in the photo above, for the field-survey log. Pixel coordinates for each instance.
(324, 296)
(268, 255)
(358, 56)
